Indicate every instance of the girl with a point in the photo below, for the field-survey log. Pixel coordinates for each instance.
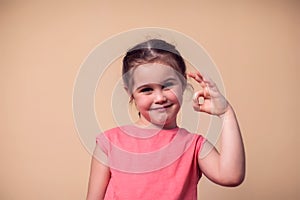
(154, 158)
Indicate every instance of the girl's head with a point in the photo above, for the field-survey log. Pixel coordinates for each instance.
(152, 51)
(154, 75)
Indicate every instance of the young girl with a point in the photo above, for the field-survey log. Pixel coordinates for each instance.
(154, 158)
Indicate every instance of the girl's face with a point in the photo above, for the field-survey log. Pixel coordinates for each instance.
(157, 92)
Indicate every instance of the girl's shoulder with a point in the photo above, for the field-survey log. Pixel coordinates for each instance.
(109, 133)
(193, 134)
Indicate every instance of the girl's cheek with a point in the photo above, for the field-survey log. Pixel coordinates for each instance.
(177, 92)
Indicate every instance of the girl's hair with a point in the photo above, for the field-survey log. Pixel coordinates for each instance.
(153, 51)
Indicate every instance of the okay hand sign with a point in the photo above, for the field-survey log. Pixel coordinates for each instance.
(213, 101)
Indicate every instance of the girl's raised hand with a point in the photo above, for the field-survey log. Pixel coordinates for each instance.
(213, 101)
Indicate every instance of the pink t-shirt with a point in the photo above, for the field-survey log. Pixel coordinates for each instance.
(149, 164)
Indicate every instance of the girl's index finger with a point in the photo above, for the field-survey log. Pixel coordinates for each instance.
(197, 77)
(206, 79)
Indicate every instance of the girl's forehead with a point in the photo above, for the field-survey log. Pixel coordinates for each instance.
(153, 73)
(153, 70)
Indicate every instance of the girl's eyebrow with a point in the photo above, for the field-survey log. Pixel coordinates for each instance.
(170, 79)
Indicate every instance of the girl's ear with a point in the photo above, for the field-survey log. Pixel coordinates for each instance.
(127, 91)
(129, 94)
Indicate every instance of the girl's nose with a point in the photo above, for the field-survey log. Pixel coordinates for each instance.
(160, 97)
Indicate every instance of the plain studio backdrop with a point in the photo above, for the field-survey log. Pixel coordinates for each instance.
(255, 44)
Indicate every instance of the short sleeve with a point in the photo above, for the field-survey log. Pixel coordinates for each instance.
(102, 142)
(205, 149)
(101, 149)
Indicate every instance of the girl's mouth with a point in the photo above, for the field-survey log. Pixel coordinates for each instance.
(162, 108)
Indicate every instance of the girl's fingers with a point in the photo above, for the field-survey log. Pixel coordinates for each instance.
(204, 81)
(196, 103)
(197, 95)
(197, 77)
(200, 105)
(213, 101)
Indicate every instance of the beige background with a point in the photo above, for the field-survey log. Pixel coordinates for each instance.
(255, 44)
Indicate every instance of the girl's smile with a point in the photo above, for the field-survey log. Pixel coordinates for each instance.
(161, 108)
(157, 92)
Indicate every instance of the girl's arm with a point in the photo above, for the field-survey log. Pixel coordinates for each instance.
(226, 167)
(99, 178)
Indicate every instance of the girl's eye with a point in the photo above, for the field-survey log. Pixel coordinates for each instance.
(146, 90)
(167, 85)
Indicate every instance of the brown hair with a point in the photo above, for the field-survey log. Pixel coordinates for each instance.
(153, 51)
